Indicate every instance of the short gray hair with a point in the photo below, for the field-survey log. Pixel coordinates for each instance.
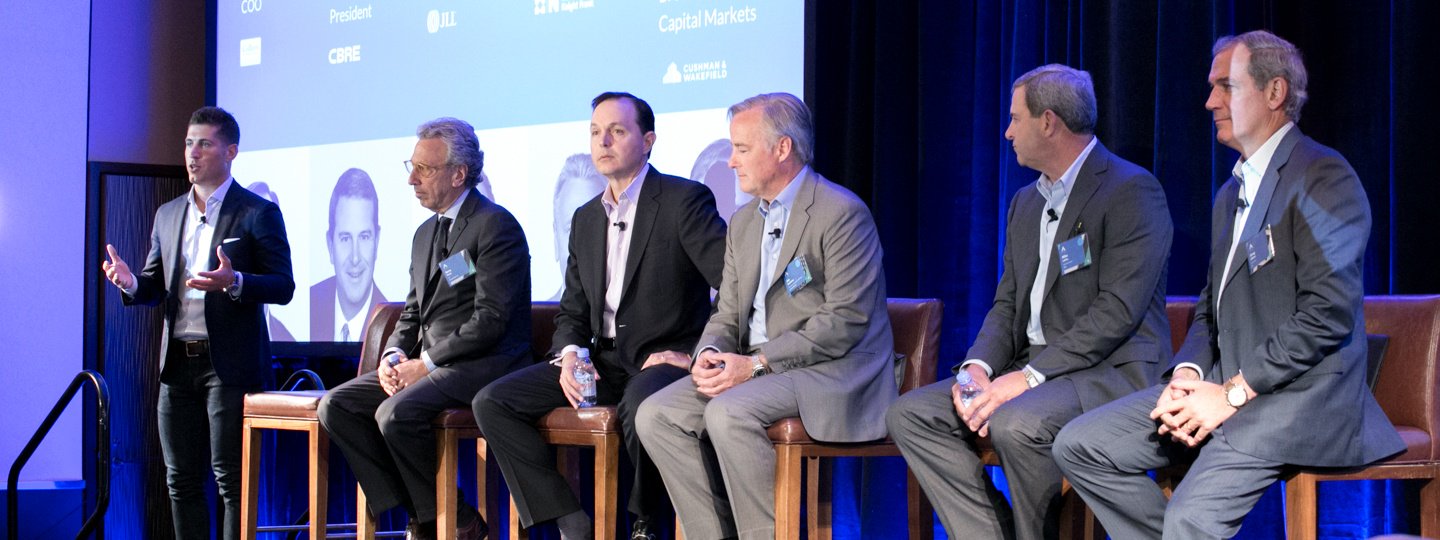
(462, 147)
(1066, 91)
(1271, 57)
(783, 115)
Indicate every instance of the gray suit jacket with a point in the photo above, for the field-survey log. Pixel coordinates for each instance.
(1296, 324)
(478, 329)
(832, 337)
(1105, 324)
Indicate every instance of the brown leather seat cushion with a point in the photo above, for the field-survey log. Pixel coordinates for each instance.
(594, 419)
(454, 418)
(1417, 445)
(298, 405)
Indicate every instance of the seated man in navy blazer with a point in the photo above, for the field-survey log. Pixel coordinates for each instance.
(466, 322)
(1272, 373)
(1078, 319)
(218, 254)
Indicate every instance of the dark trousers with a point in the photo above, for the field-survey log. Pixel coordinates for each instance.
(388, 440)
(193, 400)
(508, 409)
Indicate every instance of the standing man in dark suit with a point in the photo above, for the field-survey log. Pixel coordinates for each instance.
(802, 329)
(643, 258)
(1272, 373)
(466, 322)
(353, 241)
(218, 254)
(1078, 319)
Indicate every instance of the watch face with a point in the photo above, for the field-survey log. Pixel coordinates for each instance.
(1235, 396)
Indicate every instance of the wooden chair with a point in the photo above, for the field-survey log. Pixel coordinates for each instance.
(1406, 388)
(916, 326)
(296, 411)
(594, 427)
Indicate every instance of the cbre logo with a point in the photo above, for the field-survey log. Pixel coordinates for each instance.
(250, 6)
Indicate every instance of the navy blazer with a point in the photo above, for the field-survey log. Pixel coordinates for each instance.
(253, 233)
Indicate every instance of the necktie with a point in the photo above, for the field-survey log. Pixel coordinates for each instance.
(345, 332)
(442, 236)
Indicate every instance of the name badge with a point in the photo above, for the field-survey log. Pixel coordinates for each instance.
(1259, 250)
(797, 275)
(457, 267)
(1074, 254)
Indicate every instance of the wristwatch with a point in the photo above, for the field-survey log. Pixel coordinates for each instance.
(757, 368)
(1030, 379)
(1235, 394)
(233, 289)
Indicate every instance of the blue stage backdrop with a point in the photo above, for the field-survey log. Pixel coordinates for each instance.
(912, 99)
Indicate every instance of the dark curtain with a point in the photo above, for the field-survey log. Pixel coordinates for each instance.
(911, 102)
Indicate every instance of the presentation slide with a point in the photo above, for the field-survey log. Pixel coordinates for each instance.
(329, 94)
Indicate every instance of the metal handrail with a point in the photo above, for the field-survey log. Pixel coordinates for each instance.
(102, 442)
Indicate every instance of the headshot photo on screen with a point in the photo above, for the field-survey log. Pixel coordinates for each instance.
(712, 168)
(278, 332)
(578, 183)
(340, 303)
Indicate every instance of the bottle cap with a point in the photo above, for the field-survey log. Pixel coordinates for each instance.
(962, 377)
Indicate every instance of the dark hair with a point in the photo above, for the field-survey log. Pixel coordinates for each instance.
(215, 116)
(645, 116)
(354, 184)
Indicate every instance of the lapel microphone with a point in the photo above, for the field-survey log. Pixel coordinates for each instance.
(620, 224)
(202, 219)
(775, 233)
(1053, 216)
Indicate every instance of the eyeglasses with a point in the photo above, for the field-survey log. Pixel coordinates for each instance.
(425, 171)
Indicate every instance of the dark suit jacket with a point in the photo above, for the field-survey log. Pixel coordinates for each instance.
(239, 341)
(676, 255)
(479, 329)
(832, 337)
(322, 310)
(1105, 324)
(1295, 325)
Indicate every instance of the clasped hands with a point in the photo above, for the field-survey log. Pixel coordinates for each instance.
(404, 373)
(1189, 409)
(994, 394)
(715, 372)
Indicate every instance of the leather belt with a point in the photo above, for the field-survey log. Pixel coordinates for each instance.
(602, 344)
(195, 349)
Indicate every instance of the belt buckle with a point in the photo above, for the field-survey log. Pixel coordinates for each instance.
(196, 349)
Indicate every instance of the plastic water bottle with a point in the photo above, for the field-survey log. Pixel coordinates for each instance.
(968, 387)
(585, 375)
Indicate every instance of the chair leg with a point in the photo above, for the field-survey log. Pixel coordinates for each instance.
(1301, 500)
(818, 497)
(364, 520)
(487, 482)
(921, 515)
(1430, 505)
(607, 485)
(787, 492)
(447, 502)
(319, 479)
(249, 480)
(516, 532)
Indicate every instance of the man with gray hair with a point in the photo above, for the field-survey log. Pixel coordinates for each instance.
(1078, 319)
(801, 329)
(466, 322)
(1274, 364)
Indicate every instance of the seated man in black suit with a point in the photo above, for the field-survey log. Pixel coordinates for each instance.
(643, 258)
(466, 322)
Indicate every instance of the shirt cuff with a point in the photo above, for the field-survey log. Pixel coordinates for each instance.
(429, 364)
(988, 372)
(234, 290)
(134, 288)
(1190, 365)
(1039, 377)
(560, 359)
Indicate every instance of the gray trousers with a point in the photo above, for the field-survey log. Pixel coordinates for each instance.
(1106, 452)
(941, 451)
(707, 449)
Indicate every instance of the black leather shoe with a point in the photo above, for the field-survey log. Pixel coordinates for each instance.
(640, 530)
(471, 526)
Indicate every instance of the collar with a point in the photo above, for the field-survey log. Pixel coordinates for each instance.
(454, 209)
(630, 193)
(1059, 190)
(786, 197)
(218, 196)
(1255, 167)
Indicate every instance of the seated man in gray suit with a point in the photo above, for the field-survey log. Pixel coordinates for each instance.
(801, 329)
(1078, 319)
(1272, 373)
(466, 322)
